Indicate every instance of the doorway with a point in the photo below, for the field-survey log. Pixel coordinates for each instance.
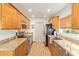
(39, 31)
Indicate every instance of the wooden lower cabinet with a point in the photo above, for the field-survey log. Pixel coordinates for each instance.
(6, 53)
(56, 50)
(51, 48)
(21, 50)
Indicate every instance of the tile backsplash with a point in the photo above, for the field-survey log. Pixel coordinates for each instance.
(67, 30)
(4, 34)
(76, 31)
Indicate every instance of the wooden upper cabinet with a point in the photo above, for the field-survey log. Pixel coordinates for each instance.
(50, 21)
(55, 22)
(10, 18)
(65, 22)
(17, 22)
(7, 17)
(24, 20)
(0, 17)
(71, 21)
(75, 15)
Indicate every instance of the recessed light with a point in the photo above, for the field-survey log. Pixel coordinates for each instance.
(30, 10)
(48, 10)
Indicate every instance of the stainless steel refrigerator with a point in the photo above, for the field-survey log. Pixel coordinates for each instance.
(49, 31)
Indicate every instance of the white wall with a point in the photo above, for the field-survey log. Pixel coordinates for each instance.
(34, 20)
(4, 34)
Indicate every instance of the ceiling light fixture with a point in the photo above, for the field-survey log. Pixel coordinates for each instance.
(30, 10)
(48, 10)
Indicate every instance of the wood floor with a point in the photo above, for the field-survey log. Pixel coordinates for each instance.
(39, 49)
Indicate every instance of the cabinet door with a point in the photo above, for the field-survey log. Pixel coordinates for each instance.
(23, 19)
(50, 21)
(65, 22)
(7, 17)
(21, 50)
(56, 50)
(55, 22)
(51, 49)
(0, 16)
(17, 21)
(75, 16)
(10, 17)
(7, 53)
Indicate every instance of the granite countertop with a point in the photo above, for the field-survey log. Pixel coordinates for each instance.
(74, 38)
(70, 42)
(27, 34)
(12, 45)
(51, 36)
(73, 45)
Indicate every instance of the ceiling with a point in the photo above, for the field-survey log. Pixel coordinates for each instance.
(39, 9)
